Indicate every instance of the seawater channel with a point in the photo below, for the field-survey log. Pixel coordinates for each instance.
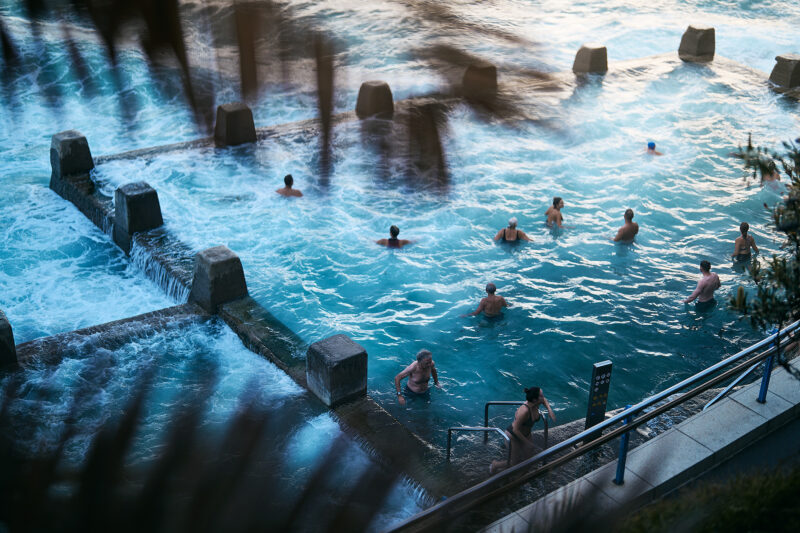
(575, 297)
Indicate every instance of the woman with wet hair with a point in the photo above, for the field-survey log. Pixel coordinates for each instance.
(519, 432)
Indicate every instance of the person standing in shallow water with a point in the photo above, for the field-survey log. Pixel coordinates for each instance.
(742, 244)
(287, 190)
(519, 432)
(553, 213)
(628, 230)
(492, 305)
(511, 233)
(704, 293)
(419, 373)
(393, 241)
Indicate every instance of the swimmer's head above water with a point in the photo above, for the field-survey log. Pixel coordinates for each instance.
(705, 266)
(651, 145)
(744, 227)
(512, 222)
(558, 202)
(424, 355)
(490, 288)
(532, 394)
(394, 231)
(628, 214)
(288, 180)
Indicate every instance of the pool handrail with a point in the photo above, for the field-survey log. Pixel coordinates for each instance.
(432, 517)
(542, 414)
(485, 430)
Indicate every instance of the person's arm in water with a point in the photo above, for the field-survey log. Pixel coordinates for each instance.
(696, 292)
(382, 242)
(618, 236)
(399, 377)
(521, 235)
(753, 243)
(499, 234)
(435, 375)
(480, 308)
(503, 300)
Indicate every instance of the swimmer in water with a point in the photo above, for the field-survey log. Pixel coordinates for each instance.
(419, 374)
(511, 233)
(287, 191)
(492, 305)
(393, 241)
(742, 244)
(651, 149)
(704, 293)
(772, 174)
(628, 230)
(553, 213)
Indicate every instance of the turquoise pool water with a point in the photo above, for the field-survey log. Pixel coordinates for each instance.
(576, 298)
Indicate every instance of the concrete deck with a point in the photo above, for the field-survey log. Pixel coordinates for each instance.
(694, 447)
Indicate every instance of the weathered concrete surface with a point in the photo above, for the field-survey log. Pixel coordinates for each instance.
(336, 370)
(375, 99)
(50, 350)
(218, 278)
(786, 72)
(480, 82)
(69, 155)
(8, 351)
(136, 209)
(234, 125)
(698, 44)
(591, 58)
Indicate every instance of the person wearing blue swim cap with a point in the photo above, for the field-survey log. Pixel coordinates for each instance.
(651, 149)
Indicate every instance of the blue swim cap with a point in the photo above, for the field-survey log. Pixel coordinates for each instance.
(651, 145)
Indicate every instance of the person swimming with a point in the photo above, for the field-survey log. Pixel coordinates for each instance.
(553, 213)
(393, 241)
(742, 245)
(651, 149)
(511, 233)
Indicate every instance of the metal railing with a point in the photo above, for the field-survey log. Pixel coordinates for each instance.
(485, 430)
(433, 518)
(542, 415)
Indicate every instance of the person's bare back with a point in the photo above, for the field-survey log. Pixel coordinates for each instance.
(492, 305)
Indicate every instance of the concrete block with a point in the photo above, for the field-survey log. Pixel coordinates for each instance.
(336, 370)
(786, 72)
(234, 125)
(8, 349)
(725, 428)
(591, 58)
(375, 99)
(776, 409)
(69, 155)
(136, 208)
(480, 81)
(634, 492)
(697, 44)
(218, 278)
(669, 460)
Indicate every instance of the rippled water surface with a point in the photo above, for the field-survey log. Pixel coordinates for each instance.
(575, 298)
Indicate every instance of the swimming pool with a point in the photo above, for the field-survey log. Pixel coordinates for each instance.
(575, 297)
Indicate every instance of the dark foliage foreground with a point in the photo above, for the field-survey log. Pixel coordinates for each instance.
(196, 483)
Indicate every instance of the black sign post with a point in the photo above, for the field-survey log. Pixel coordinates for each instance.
(598, 393)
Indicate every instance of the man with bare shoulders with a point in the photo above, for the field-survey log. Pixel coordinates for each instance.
(651, 149)
(742, 244)
(419, 373)
(287, 191)
(393, 241)
(492, 305)
(628, 230)
(704, 293)
(553, 213)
